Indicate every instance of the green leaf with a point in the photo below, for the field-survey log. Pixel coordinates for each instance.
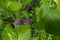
(51, 17)
(9, 33)
(25, 13)
(53, 22)
(3, 4)
(21, 33)
(25, 2)
(15, 6)
(34, 38)
(1, 25)
(10, 5)
(55, 37)
(58, 4)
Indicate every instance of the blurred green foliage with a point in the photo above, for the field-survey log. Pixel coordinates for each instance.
(40, 22)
